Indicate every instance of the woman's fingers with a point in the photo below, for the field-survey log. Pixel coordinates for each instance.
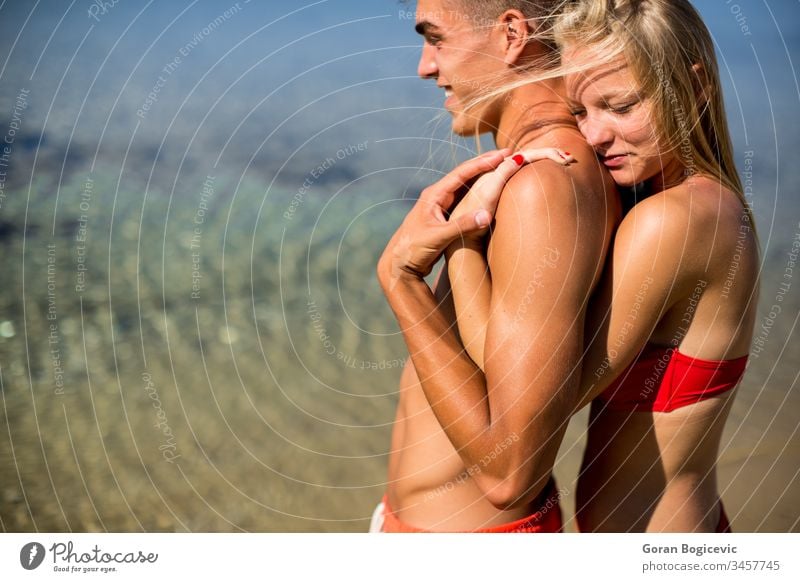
(555, 154)
(500, 162)
(490, 186)
(486, 191)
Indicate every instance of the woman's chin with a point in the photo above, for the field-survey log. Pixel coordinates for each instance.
(624, 178)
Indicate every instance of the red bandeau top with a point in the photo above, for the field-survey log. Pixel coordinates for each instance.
(662, 379)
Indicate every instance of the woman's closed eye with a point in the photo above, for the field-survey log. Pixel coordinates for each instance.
(623, 108)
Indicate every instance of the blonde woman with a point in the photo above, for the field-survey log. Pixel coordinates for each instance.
(669, 330)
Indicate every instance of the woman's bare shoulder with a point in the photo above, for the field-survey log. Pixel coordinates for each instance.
(690, 208)
(690, 226)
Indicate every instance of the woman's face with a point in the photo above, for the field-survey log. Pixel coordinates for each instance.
(617, 121)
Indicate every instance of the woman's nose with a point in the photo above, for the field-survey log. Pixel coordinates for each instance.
(427, 67)
(597, 133)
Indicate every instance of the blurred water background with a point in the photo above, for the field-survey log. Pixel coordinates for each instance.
(193, 196)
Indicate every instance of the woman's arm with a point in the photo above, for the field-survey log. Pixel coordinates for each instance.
(472, 292)
(468, 268)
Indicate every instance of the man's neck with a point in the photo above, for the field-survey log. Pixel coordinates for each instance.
(530, 111)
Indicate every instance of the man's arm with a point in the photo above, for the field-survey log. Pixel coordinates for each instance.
(468, 267)
(533, 348)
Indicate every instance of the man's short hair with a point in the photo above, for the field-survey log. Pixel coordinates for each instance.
(485, 12)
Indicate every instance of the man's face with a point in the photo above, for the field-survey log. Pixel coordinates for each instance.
(460, 57)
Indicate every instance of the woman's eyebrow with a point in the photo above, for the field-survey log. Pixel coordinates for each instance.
(619, 94)
(578, 94)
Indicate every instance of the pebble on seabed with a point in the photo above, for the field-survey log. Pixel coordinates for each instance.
(7, 329)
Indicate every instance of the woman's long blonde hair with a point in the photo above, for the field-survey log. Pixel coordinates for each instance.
(671, 53)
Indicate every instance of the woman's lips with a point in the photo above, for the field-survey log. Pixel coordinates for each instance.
(615, 161)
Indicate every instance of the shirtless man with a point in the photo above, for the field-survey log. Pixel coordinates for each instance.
(473, 451)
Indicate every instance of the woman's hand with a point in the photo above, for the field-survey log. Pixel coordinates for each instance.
(426, 230)
(485, 194)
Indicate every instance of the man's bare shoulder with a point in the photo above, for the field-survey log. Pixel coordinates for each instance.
(579, 191)
(573, 209)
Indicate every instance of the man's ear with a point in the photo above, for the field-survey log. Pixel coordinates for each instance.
(515, 34)
(702, 88)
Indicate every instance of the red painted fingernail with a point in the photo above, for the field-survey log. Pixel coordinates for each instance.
(519, 159)
(566, 153)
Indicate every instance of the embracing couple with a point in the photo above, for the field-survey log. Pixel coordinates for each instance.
(589, 260)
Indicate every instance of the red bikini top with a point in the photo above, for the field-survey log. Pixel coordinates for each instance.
(662, 379)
